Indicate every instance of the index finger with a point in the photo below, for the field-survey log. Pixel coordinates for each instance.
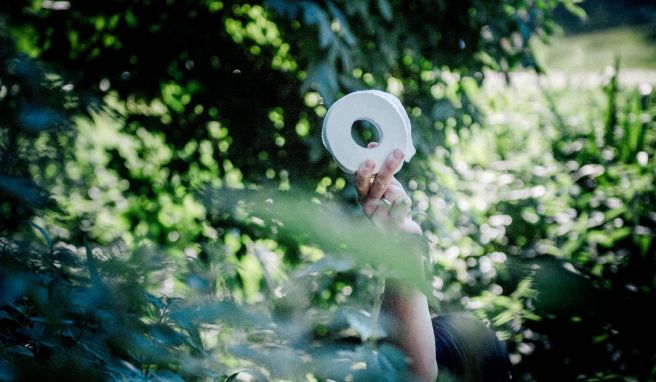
(385, 176)
(362, 178)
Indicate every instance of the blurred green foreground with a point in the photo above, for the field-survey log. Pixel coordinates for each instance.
(169, 212)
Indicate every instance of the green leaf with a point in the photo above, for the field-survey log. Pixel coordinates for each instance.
(503, 318)
(323, 77)
(281, 361)
(232, 377)
(327, 264)
(573, 7)
(361, 322)
(44, 233)
(345, 30)
(167, 376)
(314, 15)
(385, 9)
(165, 335)
(157, 302)
(20, 350)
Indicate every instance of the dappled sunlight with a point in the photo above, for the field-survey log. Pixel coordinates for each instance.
(169, 211)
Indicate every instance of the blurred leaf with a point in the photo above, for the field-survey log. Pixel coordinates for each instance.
(6, 371)
(20, 350)
(45, 235)
(24, 190)
(165, 335)
(343, 23)
(12, 286)
(39, 119)
(314, 15)
(232, 377)
(573, 7)
(168, 376)
(351, 237)
(282, 362)
(385, 9)
(220, 311)
(157, 302)
(327, 264)
(322, 76)
(361, 321)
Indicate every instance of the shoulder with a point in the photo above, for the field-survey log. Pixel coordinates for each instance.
(469, 350)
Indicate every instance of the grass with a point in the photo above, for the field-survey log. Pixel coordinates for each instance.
(594, 51)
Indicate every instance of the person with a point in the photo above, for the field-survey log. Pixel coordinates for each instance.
(449, 347)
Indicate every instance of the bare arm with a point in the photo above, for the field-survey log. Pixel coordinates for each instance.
(413, 331)
(407, 307)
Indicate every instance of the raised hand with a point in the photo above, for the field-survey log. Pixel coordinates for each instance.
(383, 198)
(386, 203)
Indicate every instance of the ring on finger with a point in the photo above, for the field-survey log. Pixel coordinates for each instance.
(386, 203)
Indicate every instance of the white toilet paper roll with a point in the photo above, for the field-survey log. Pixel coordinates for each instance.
(410, 150)
(384, 111)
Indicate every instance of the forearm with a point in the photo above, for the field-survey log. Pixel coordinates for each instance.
(411, 328)
(409, 323)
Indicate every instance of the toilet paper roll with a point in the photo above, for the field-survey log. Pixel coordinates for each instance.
(387, 115)
(409, 151)
(411, 148)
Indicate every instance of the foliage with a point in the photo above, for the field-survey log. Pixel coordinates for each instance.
(561, 192)
(31, 104)
(198, 147)
(180, 90)
(82, 313)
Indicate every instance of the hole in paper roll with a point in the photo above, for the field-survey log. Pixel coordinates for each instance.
(364, 132)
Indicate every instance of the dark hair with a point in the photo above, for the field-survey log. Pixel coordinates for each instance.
(466, 350)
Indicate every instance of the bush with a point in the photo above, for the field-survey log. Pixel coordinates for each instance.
(235, 250)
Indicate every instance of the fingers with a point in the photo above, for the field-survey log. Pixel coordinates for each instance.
(395, 206)
(371, 145)
(363, 185)
(362, 178)
(384, 177)
(369, 206)
(393, 193)
(384, 204)
(384, 200)
(371, 192)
